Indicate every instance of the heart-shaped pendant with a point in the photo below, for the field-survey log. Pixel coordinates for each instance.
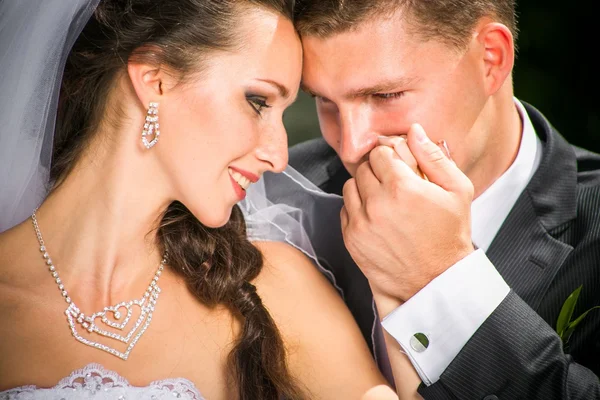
(146, 304)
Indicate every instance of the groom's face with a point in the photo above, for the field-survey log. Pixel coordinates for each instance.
(379, 78)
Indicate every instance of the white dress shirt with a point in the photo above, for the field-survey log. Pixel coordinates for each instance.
(453, 306)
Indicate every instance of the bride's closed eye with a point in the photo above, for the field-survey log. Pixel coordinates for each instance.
(257, 102)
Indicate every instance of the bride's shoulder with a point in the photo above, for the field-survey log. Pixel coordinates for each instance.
(293, 289)
(324, 345)
(287, 270)
(9, 250)
(19, 252)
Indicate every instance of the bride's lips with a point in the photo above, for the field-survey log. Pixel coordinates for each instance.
(248, 175)
(240, 193)
(241, 180)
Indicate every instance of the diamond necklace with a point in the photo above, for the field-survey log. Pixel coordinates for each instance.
(124, 309)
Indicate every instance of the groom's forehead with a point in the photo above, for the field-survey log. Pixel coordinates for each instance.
(324, 18)
(378, 39)
(359, 63)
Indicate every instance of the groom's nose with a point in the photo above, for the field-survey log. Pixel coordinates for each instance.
(357, 138)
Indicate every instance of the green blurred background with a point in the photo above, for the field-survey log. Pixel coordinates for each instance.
(553, 72)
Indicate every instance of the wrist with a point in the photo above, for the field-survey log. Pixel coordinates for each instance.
(425, 279)
(385, 303)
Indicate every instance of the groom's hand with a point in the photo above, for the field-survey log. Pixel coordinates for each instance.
(403, 230)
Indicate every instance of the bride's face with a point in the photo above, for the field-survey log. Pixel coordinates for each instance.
(222, 131)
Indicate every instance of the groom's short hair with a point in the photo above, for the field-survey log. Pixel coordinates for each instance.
(449, 20)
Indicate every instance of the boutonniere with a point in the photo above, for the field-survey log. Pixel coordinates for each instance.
(565, 325)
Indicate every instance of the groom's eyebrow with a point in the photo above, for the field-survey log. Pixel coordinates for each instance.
(383, 86)
(306, 89)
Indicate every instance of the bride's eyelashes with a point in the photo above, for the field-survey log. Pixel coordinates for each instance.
(257, 102)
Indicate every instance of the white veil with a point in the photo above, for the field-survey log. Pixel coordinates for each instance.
(288, 208)
(35, 39)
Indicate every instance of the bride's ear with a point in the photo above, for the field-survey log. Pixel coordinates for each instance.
(147, 81)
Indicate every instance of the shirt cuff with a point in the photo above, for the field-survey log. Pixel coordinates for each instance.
(448, 311)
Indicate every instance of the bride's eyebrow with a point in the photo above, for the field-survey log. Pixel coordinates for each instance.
(283, 91)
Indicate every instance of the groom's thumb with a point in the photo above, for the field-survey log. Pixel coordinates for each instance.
(436, 165)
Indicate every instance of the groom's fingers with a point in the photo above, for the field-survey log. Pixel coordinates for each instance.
(352, 200)
(366, 181)
(398, 143)
(434, 162)
(390, 168)
(344, 218)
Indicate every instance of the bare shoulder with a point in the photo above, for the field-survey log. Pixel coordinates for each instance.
(290, 284)
(22, 272)
(327, 353)
(286, 266)
(7, 257)
(18, 251)
(20, 277)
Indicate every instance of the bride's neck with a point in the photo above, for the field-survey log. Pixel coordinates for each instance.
(99, 225)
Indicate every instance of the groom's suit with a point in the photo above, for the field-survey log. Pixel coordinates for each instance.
(547, 247)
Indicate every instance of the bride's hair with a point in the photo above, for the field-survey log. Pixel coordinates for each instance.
(218, 264)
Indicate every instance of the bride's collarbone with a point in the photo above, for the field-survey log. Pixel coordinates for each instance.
(185, 339)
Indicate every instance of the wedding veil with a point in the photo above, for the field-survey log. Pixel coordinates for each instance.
(35, 39)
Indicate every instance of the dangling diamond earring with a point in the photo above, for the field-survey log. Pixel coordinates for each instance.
(151, 127)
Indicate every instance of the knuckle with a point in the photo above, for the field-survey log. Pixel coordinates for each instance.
(376, 152)
(344, 215)
(466, 188)
(399, 188)
(373, 209)
(363, 168)
(379, 152)
(356, 227)
(470, 189)
(348, 186)
(435, 156)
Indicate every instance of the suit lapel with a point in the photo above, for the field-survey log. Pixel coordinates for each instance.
(524, 250)
(525, 254)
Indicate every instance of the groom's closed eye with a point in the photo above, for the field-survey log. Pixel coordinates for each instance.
(316, 96)
(313, 94)
(386, 89)
(388, 96)
(394, 87)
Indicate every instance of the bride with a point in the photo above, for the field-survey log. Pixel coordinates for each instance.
(135, 277)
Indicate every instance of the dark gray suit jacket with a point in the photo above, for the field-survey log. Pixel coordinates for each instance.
(547, 247)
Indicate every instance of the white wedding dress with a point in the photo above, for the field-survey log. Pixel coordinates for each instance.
(98, 383)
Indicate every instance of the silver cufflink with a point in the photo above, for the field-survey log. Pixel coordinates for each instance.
(419, 342)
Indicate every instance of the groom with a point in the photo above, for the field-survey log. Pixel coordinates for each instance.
(470, 289)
